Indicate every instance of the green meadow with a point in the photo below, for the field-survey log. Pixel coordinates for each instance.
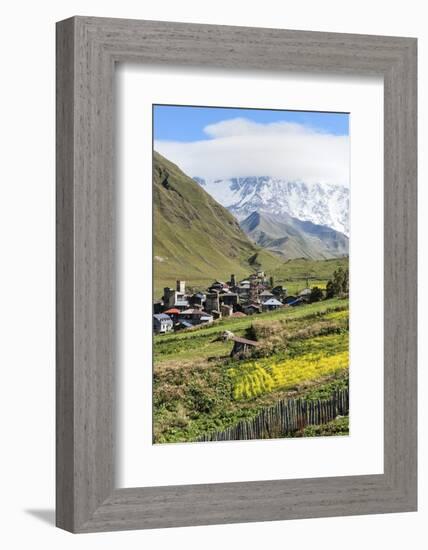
(295, 274)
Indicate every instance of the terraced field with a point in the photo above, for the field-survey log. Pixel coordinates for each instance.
(198, 388)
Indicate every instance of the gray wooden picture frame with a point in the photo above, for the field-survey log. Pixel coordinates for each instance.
(87, 50)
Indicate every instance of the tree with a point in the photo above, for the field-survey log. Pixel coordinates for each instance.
(329, 289)
(345, 284)
(339, 284)
(316, 295)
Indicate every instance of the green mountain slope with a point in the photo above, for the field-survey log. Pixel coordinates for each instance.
(195, 238)
(293, 238)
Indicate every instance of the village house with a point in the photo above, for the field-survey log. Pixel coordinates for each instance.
(162, 323)
(183, 325)
(229, 299)
(262, 277)
(181, 286)
(225, 310)
(158, 307)
(243, 290)
(212, 301)
(265, 295)
(251, 309)
(271, 304)
(294, 301)
(242, 347)
(197, 299)
(253, 296)
(173, 313)
(194, 317)
(176, 298)
(218, 285)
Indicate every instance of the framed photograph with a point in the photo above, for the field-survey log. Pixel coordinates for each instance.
(236, 274)
(252, 341)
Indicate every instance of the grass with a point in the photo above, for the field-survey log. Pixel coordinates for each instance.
(198, 344)
(294, 274)
(338, 426)
(302, 267)
(199, 388)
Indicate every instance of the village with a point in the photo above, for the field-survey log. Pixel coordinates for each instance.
(178, 310)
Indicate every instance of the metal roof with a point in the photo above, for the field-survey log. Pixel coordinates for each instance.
(296, 301)
(272, 302)
(192, 312)
(161, 317)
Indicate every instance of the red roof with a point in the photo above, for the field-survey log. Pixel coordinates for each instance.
(172, 311)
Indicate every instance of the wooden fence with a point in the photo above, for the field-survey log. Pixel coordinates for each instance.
(287, 416)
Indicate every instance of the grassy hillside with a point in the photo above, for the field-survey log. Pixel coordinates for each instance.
(293, 238)
(195, 238)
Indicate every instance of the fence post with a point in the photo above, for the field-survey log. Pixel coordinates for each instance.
(284, 417)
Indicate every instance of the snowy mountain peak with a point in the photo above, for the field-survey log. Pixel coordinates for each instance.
(319, 203)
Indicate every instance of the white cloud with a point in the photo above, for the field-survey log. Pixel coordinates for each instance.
(241, 147)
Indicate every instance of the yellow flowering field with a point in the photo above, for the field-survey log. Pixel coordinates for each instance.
(328, 356)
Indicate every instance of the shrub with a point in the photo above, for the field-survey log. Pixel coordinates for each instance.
(316, 295)
(260, 330)
(338, 426)
(339, 284)
(180, 420)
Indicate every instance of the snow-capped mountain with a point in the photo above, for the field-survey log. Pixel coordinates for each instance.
(321, 204)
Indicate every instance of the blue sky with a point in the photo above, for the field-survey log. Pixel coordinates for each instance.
(182, 123)
(215, 143)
